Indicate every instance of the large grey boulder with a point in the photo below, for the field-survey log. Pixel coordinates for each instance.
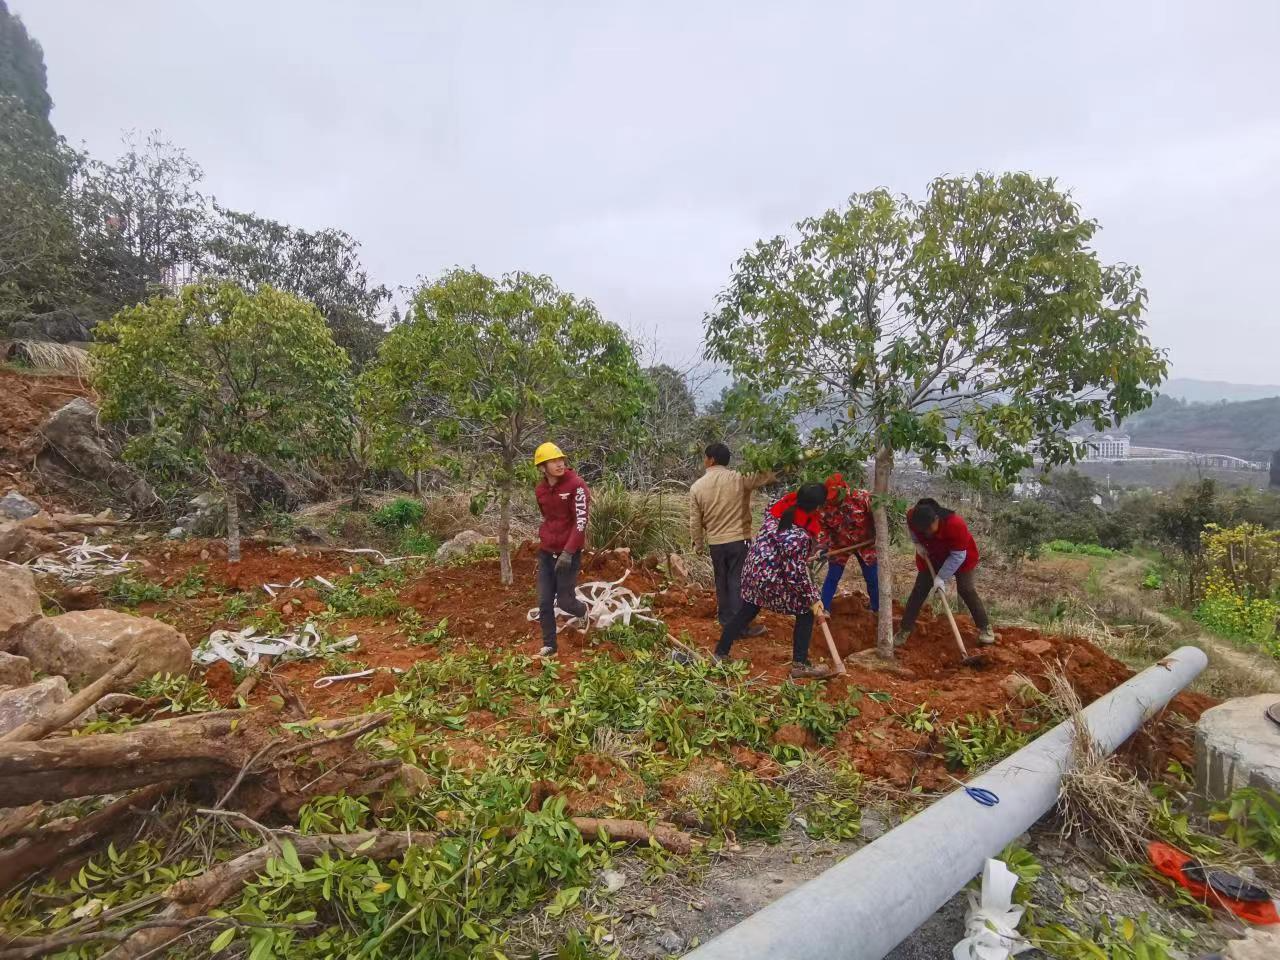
(460, 546)
(23, 704)
(1237, 746)
(14, 506)
(19, 603)
(15, 671)
(77, 449)
(85, 644)
(64, 325)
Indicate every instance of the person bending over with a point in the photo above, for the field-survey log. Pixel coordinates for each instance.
(943, 542)
(776, 577)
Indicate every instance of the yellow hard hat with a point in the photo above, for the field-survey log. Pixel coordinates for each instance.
(547, 451)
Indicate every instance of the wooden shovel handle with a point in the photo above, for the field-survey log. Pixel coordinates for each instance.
(831, 648)
(951, 617)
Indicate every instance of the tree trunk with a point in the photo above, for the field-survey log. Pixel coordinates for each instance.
(504, 534)
(880, 513)
(230, 495)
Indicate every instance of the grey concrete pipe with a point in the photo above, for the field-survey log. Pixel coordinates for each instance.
(863, 907)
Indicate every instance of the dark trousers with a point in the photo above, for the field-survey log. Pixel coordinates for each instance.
(726, 563)
(965, 586)
(801, 633)
(556, 589)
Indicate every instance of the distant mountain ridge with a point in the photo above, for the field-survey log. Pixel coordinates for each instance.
(1248, 429)
(1216, 391)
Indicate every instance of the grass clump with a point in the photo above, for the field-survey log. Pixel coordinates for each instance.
(1080, 549)
(644, 522)
(399, 514)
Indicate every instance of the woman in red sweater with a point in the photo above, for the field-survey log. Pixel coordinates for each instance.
(942, 539)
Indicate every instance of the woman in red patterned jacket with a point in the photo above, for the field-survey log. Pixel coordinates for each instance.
(776, 576)
(846, 522)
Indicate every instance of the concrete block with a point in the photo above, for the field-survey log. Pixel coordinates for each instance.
(1237, 746)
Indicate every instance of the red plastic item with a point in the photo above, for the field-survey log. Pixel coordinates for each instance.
(1171, 862)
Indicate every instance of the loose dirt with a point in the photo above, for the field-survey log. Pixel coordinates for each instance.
(26, 400)
(489, 616)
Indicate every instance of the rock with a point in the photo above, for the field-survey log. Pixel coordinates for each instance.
(873, 826)
(670, 941)
(678, 569)
(311, 535)
(19, 603)
(15, 671)
(175, 533)
(623, 554)
(63, 325)
(1020, 688)
(1037, 648)
(1237, 746)
(114, 702)
(84, 645)
(14, 506)
(613, 880)
(1258, 944)
(81, 596)
(1077, 883)
(20, 705)
(76, 449)
(20, 541)
(206, 516)
(460, 546)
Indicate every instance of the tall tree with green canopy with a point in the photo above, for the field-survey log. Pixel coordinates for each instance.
(39, 231)
(972, 329)
(322, 266)
(227, 375)
(484, 370)
(22, 70)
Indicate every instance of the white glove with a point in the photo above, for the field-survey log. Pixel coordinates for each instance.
(940, 585)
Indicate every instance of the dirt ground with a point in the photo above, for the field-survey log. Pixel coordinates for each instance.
(25, 402)
(487, 615)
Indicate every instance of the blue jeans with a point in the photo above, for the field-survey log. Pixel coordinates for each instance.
(836, 570)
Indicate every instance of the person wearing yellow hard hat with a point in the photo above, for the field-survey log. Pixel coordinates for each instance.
(565, 503)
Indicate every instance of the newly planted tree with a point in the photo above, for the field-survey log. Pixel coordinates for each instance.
(483, 370)
(227, 375)
(972, 330)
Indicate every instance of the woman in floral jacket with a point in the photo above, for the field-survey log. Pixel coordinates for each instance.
(776, 577)
(846, 521)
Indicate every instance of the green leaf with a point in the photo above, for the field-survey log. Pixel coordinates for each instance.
(222, 940)
(290, 855)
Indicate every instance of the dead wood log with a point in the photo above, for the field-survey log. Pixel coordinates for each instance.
(196, 896)
(52, 848)
(637, 831)
(218, 746)
(16, 821)
(68, 710)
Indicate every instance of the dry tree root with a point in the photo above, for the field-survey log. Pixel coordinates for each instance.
(637, 831)
(241, 747)
(54, 847)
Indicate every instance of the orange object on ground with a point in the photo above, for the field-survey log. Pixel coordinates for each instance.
(1176, 865)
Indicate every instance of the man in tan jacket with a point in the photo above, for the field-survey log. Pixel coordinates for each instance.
(720, 516)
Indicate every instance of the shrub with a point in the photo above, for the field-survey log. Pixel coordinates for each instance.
(1081, 549)
(129, 591)
(981, 741)
(399, 514)
(645, 521)
(748, 806)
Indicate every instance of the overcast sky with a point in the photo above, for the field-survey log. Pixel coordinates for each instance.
(633, 150)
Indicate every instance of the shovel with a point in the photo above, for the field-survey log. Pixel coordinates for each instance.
(976, 662)
(831, 646)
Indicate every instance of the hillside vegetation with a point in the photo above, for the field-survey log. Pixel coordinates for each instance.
(1250, 429)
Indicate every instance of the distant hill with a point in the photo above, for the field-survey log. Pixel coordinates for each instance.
(1215, 391)
(1250, 429)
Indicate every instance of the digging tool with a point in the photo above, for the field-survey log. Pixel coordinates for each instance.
(855, 547)
(977, 661)
(820, 615)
